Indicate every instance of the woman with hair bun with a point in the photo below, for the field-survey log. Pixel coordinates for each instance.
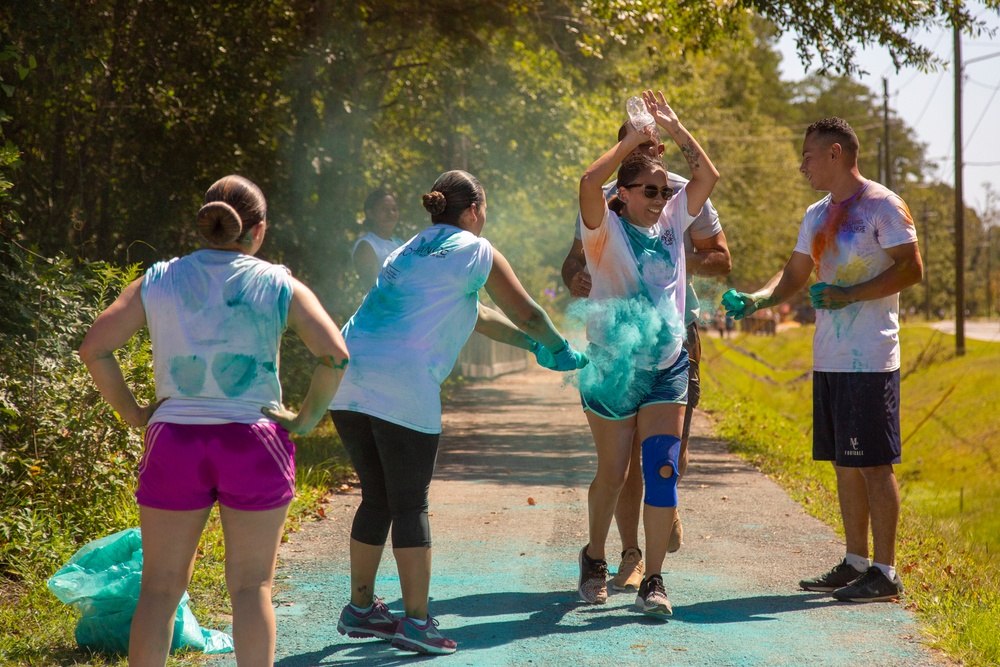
(404, 340)
(377, 243)
(218, 430)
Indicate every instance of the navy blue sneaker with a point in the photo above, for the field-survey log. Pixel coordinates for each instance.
(841, 575)
(872, 586)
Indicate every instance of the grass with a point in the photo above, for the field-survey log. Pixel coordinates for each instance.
(759, 390)
(37, 630)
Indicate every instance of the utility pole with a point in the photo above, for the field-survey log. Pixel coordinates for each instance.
(989, 272)
(959, 196)
(926, 258)
(885, 125)
(881, 162)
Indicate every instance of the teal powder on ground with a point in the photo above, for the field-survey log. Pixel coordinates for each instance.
(627, 337)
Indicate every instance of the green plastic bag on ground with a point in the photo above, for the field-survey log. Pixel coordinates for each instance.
(102, 581)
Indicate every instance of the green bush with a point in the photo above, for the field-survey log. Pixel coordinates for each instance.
(66, 458)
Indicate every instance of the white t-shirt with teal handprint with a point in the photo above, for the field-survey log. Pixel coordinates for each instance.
(216, 318)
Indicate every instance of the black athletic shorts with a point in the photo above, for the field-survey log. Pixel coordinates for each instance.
(692, 343)
(856, 418)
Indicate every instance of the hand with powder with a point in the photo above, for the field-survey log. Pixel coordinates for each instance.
(563, 359)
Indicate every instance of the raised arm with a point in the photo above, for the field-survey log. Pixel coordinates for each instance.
(307, 318)
(703, 173)
(593, 205)
(110, 331)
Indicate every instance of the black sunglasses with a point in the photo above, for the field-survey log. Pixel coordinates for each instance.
(650, 191)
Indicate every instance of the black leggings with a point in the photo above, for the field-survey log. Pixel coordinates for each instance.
(395, 465)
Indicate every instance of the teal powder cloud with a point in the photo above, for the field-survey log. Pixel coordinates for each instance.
(709, 292)
(626, 336)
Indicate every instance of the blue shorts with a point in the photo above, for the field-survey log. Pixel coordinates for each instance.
(669, 385)
(856, 418)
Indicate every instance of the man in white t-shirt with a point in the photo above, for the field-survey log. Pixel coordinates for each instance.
(707, 254)
(861, 240)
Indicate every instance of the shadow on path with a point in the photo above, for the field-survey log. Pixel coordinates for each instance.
(509, 515)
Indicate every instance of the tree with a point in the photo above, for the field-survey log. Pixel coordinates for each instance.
(827, 29)
(137, 107)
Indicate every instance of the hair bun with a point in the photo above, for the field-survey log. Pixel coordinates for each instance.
(219, 223)
(435, 202)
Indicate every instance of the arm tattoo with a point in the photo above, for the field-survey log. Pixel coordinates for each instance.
(691, 154)
(327, 360)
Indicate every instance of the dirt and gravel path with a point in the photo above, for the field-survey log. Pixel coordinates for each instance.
(508, 518)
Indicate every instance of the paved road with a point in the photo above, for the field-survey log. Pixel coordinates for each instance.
(505, 569)
(977, 330)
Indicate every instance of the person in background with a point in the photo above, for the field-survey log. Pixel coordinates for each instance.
(707, 254)
(720, 323)
(861, 241)
(218, 431)
(635, 253)
(372, 247)
(404, 341)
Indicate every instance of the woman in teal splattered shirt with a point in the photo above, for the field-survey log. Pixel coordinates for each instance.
(404, 340)
(218, 431)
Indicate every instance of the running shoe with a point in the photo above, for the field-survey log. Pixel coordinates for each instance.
(412, 635)
(652, 598)
(676, 533)
(872, 586)
(375, 622)
(629, 571)
(841, 575)
(593, 586)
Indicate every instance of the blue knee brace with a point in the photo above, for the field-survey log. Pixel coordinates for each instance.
(659, 451)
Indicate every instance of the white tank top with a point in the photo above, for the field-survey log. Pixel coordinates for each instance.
(382, 247)
(215, 318)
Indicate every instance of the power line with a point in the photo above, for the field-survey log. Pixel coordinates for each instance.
(989, 56)
(981, 84)
(982, 115)
(930, 98)
(918, 72)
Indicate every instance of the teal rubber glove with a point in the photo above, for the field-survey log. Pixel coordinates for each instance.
(828, 297)
(565, 358)
(738, 304)
(816, 294)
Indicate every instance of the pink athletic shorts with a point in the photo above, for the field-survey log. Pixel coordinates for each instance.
(187, 467)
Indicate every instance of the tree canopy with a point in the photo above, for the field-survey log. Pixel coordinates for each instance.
(126, 111)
